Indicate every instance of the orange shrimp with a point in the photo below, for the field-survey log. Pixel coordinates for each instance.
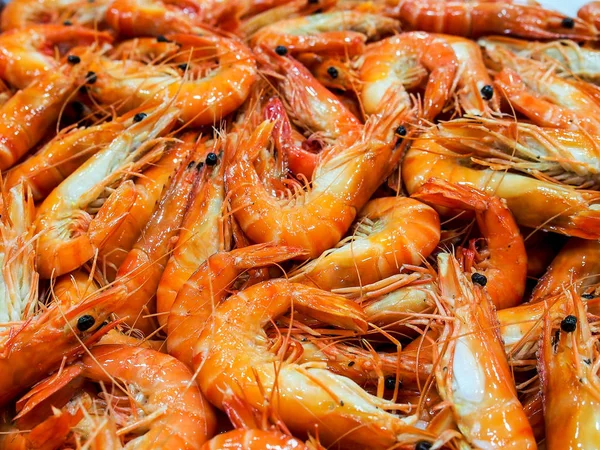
(27, 53)
(141, 270)
(381, 71)
(343, 181)
(31, 113)
(306, 397)
(70, 235)
(590, 13)
(62, 155)
(73, 288)
(24, 13)
(331, 71)
(390, 232)
(173, 412)
(201, 233)
(334, 33)
(254, 440)
(201, 101)
(208, 287)
(472, 373)
(502, 268)
(535, 203)
(568, 368)
(478, 18)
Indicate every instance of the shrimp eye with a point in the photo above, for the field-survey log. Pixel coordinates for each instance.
(161, 38)
(391, 383)
(139, 117)
(313, 2)
(67, 23)
(479, 279)
(91, 77)
(568, 324)
(73, 59)
(281, 50)
(588, 296)
(568, 23)
(86, 322)
(211, 159)
(183, 66)
(333, 72)
(423, 445)
(401, 130)
(487, 92)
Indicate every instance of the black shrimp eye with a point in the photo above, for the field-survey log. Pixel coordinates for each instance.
(313, 2)
(568, 22)
(67, 23)
(401, 130)
(73, 59)
(281, 50)
(588, 296)
(91, 77)
(86, 322)
(139, 117)
(479, 279)
(183, 66)
(211, 159)
(569, 324)
(423, 445)
(391, 383)
(161, 38)
(487, 92)
(332, 72)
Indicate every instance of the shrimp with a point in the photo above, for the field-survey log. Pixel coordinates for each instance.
(201, 101)
(200, 236)
(504, 270)
(534, 203)
(306, 397)
(383, 70)
(27, 53)
(390, 232)
(334, 33)
(590, 13)
(24, 13)
(477, 18)
(254, 440)
(62, 155)
(343, 181)
(141, 270)
(208, 287)
(29, 114)
(332, 72)
(568, 368)
(168, 404)
(69, 235)
(473, 374)
(73, 288)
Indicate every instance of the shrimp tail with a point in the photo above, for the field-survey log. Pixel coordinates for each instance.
(451, 195)
(587, 224)
(261, 255)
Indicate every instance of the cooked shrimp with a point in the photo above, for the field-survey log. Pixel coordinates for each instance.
(73, 288)
(32, 112)
(502, 267)
(473, 374)
(69, 235)
(478, 18)
(201, 233)
(208, 287)
(143, 266)
(390, 232)
(534, 203)
(254, 440)
(383, 70)
(307, 398)
(338, 32)
(27, 53)
(201, 101)
(24, 13)
(568, 368)
(331, 71)
(343, 181)
(167, 404)
(590, 13)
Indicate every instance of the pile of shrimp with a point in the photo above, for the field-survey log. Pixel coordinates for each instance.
(299, 224)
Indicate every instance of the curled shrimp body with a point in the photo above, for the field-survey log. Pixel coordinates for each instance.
(201, 101)
(208, 287)
(505, 267)
(473, 374)
(390, 232)
(199, 238)
(478, 18)
(342, 183)
(28, 53)
(69, 235)
(535, 203)
(568, 368)
(254, 440)
(590, 13)
(338, 32)
(382, 70)
(306, 397)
